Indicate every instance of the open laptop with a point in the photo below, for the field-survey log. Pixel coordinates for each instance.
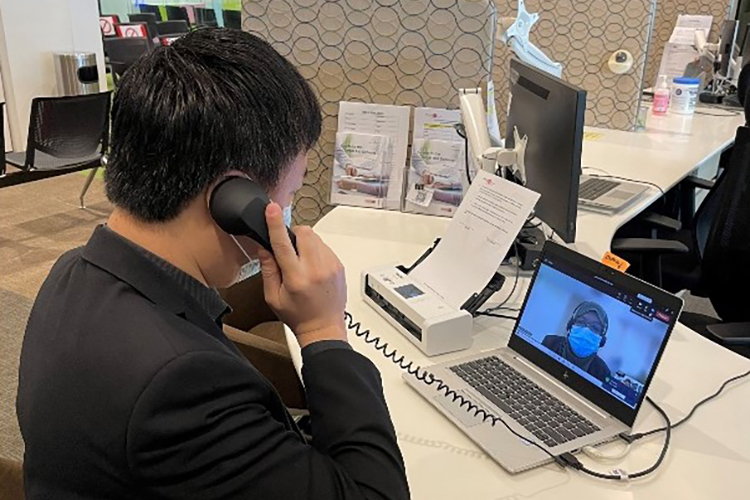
(608, 195)
(576, 369)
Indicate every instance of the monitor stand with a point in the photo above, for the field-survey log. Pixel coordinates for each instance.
(529, 243)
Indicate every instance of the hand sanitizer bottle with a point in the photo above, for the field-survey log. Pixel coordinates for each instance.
(661, 97)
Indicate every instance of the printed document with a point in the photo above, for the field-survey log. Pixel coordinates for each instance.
(477, 240)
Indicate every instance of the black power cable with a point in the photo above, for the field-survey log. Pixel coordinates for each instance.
(571, 461)
(640, 435)
(461, 131)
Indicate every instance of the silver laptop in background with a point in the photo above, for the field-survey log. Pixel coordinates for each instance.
(610, 195)
(576, 369)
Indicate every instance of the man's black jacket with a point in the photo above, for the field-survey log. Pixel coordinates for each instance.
(128, 389)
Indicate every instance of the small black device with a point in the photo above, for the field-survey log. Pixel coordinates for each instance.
(238, 205)
(550, 112)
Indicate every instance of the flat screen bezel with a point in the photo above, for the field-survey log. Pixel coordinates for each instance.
(570, 378)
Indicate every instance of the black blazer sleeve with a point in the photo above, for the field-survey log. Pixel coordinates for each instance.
(200, 429)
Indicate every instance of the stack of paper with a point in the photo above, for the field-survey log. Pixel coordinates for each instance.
(375, 177)
(681, 57)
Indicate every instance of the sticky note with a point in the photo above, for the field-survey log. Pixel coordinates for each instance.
(592, 136)
(615, 262)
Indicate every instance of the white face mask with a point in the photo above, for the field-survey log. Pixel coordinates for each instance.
(253, 265)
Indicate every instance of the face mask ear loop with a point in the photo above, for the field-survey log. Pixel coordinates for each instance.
(240, 247)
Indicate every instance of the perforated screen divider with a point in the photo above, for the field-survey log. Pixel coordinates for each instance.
(416, 53)
(666, 18)
(582, 35)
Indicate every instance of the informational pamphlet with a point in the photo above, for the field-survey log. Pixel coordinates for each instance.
(384, 120)
(435, 184)
(360, 168)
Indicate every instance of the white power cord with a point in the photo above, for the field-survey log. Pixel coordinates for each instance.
(595, 454)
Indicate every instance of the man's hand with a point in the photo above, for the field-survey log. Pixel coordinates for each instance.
(306, 291)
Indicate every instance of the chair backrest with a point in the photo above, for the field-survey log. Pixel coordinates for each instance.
(152, 9)
(727, 245)
(69, 127)
(107, 25)
(232, 19)
(172, 27)
(133, 30)
(125, 50)
(205, 17)
(148, 18)
(177, 13)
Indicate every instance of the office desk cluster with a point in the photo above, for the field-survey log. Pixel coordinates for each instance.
(709, 456)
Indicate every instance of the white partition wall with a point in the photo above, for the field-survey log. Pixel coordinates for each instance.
(31, 31)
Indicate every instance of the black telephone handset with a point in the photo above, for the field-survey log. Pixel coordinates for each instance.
(238, 205)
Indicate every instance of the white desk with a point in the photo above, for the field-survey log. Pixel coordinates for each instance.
(670, 149)
(709, 456)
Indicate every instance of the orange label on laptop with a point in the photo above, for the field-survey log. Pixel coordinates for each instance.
(615, 262)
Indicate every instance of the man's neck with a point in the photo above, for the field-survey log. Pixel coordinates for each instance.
(165, 240)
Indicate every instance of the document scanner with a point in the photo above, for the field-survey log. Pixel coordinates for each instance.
(420, 314)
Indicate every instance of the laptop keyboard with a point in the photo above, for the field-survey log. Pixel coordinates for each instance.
(546, 417)
(592, 189)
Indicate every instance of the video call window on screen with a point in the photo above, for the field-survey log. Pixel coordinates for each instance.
(606, 335)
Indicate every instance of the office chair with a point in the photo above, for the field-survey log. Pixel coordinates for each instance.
(133, 30)
(177, 13)
(172, 27)
(66, 133)
(148, 18)
(233, 19)
(151, 9)
(205, 17)
(123, 52)
(709, 258)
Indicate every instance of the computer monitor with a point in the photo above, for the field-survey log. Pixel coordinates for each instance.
(550, 112)
(727, 46)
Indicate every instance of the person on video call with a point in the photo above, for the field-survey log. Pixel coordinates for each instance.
(128, 386)
(586, 334)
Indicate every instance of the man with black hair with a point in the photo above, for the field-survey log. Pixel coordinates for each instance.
(128, 387)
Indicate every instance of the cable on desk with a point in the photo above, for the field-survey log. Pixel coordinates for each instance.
(569, 460)
(501, 305)
(461, 131)
(492, 314)
(640, 435)
(637, 181)
(429, 379)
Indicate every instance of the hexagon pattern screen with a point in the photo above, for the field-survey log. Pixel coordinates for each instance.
(666, 18)
(582, 35)
(416, 53)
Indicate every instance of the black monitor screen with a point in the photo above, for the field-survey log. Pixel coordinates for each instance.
(550, 113)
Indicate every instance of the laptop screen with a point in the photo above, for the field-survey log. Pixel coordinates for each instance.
(608, 333)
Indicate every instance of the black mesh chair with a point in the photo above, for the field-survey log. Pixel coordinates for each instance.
(148, 18)
(123, 52)
(177, 13)
(232, 19)
(205, 17)
(66, 134)
(709, 258)
(172, 28)
(151, 9)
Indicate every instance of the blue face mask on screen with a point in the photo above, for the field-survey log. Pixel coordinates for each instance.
(583, 342)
